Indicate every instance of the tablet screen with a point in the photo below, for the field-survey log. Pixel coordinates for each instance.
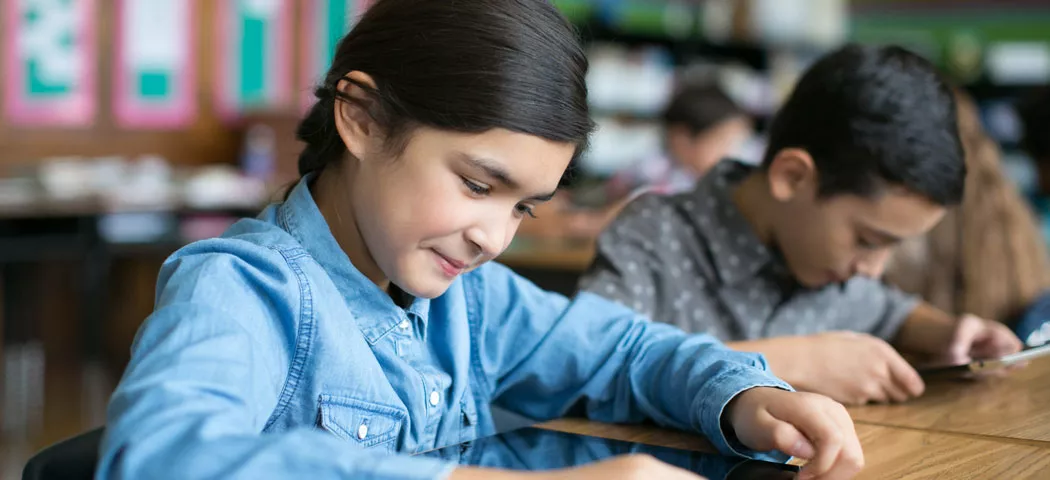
(1027, 354)
(969, 369)
(537, 449)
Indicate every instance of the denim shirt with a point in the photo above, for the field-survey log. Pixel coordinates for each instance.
(268, 355)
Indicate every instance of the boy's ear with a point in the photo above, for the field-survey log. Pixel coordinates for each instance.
(792, 173)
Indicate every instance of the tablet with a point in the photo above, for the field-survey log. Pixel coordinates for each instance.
(538, 449)
(987, 365)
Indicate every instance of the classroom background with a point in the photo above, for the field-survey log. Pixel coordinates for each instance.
(129, 128)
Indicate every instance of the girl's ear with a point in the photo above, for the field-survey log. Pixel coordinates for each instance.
(353, 118)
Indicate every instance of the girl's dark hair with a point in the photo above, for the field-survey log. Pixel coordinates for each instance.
(459, 65)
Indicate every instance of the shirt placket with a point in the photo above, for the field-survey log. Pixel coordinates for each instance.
(410, 346)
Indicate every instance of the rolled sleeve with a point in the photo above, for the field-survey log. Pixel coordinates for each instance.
(718, 393)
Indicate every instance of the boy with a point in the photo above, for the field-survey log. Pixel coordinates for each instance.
(865, 153)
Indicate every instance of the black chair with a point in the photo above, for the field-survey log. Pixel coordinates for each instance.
(71, 459)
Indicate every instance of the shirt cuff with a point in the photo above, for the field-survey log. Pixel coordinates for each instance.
(716, 395)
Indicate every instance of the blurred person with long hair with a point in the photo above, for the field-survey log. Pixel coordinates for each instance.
(988, 256)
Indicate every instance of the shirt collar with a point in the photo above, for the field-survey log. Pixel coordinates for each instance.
(736, 251)
(375, 312)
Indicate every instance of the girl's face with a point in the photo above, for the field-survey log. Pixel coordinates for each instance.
(443, 206)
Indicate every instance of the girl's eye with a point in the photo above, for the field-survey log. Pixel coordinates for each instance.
(481, 190)
(524, 209)
(475, 187)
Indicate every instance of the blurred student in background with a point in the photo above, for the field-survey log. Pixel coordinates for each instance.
(1029, 317)
(702, 126)
(987, 257)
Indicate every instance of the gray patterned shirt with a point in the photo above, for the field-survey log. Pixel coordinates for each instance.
(693, 260)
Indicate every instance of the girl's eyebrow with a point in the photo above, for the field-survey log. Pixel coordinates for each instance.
(496, 171)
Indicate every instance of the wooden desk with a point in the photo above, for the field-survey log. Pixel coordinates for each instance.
(890, 453)
(913, 454)
(1016, 407)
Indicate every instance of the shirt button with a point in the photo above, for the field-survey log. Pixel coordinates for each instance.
(434, 398)
(404, 325)
(362, 432)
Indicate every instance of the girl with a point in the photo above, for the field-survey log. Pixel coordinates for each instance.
(359, 318)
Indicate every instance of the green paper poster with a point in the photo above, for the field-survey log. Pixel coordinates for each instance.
(325, 22)
(253, 68)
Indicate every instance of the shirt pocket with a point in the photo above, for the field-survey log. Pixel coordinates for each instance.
(367, 424)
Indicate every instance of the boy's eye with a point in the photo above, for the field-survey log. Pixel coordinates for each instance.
(524, 209)
(862, 243)
(475, 187)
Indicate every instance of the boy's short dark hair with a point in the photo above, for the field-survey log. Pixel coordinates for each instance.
(872, 116)
(699, 107)
(1035, 115)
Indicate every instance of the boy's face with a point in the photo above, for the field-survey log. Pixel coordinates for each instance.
(829, 240)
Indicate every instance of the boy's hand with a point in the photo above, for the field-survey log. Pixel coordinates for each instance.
(804, 425)
(856, 369)
(976, 338)
(936, 337)
(852, 368)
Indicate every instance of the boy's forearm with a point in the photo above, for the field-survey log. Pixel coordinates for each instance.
(781, 355)
(927, 330)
